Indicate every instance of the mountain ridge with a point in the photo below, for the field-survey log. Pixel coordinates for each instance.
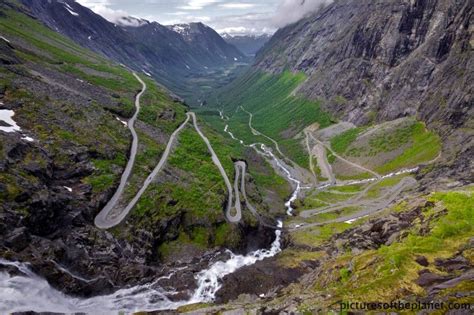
(144, 46)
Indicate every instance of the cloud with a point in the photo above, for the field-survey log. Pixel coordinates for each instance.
(239, 24)
(101, 7)
(184, 19)
(237, 5)
(242, 30)
(198, 4)
(290, 11)
(232, 16)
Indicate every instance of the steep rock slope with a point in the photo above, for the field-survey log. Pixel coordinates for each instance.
(372, 62)
(145, 46)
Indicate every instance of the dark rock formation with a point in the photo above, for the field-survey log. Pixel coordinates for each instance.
(259, 279)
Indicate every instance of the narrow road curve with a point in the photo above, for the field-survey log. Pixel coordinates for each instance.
(107, 219)
(131, 161)
(240, 166)
(377, 175)
(238, 215)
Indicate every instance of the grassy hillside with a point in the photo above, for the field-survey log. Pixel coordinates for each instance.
(277, 112)
(48, 51)
(388, 147)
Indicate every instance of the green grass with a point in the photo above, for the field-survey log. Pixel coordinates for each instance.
(390, 141)
(200, 194)
(425, 146)
(377, 190)
(331, 197)
(104, 176)
(341, 142)
(348, 189)
(316, 236)
(333, 215)
(418, 143)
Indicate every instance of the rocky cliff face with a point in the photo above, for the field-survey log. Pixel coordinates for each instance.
(375, 61)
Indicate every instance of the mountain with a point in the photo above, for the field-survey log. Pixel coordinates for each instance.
(248, 44)
(335, 175)
(65, 141)
(367, 66)
(406, 63)
(148, 47)
(205, 40)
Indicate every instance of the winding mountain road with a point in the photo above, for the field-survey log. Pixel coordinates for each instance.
(101, 217)
(319, 151)
(238, 215)
(108, 218)
(311, 162)
(241, 168)
(255, 132)
(111, 216)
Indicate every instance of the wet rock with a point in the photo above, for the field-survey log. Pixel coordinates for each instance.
(38, 170)
(16, 152)
(376, 232)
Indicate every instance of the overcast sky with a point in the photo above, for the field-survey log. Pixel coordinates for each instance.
(237, 17)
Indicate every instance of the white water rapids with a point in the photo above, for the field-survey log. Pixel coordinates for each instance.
(29, 292)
